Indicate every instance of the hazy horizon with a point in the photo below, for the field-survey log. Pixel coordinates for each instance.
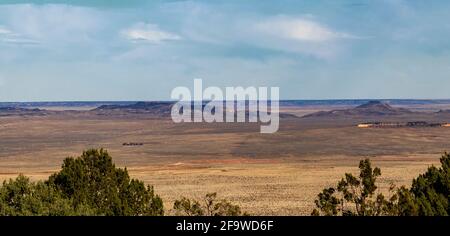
(281, 100)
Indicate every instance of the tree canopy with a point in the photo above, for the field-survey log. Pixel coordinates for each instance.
(211, 207)
(86, 185)
(428, 196)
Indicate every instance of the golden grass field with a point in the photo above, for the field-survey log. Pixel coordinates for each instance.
(267, 174)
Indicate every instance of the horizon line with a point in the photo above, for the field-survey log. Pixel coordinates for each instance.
(281, 100)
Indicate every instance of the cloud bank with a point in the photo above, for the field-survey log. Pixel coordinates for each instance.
(301, 30)
(151, 33)
(9, 37)
(310, 49)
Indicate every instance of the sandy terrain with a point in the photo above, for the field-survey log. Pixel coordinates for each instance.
(277, 174)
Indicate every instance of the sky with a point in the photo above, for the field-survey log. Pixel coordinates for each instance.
(104, 50)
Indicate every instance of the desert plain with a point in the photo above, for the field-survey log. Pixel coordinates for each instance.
(266, 174)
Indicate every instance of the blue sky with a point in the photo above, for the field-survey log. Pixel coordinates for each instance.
(53, 50)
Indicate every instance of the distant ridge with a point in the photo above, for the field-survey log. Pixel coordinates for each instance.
(443, 112)
(162, 109)
(10, 111)
(155, 108)
(138, 106)
(380, 108)
(372, 108)
(17, 109)
(368, 110)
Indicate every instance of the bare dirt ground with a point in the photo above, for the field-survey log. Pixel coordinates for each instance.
(276, 174)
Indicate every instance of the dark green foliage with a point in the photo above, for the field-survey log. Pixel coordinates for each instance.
(353, 195)
(211, 207)
(429, 194)
(188, 207)
(93, 180)
(20, 197)
(432, 190)
(327, 203)
(359, 192)
(87, 185)
(402, 203)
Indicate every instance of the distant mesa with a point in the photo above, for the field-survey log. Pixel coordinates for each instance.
(155, 108)
(10, 111)
(18, 109)
(137, 106)
(379, 108)
(163, 109)
(132, 144)
(287, 116)
(414, 124)
(445, 112)
(372, 108)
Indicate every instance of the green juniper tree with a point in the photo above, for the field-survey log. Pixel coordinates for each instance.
(93, 180)
(87, 185)
(429, 194)
(353, 195)
(431, 190)
(211, 207)
(21, 197)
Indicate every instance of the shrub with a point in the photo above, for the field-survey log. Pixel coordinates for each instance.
(21, 197)
(431, 190)
(93, 180)
(87, 185)
(353, 195)
(429, 194)
(211, 207)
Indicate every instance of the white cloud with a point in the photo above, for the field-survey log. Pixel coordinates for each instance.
(300, 30)
(295, 34)
(9, 37)
(4, 31)
(148, 33)
(52, 25)
(55, 32)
